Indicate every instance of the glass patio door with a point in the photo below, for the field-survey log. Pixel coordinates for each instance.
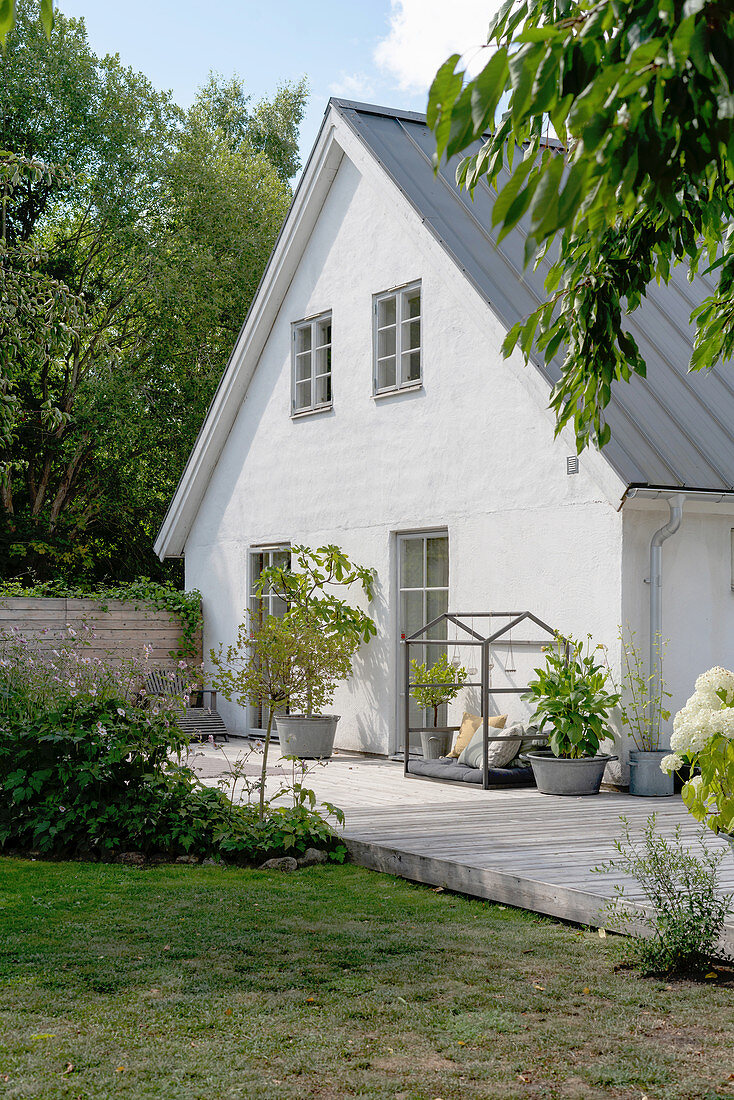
(423, 591)
(268, 603)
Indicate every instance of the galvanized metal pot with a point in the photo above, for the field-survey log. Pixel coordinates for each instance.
(646, 779)
(311, 738)
(560, 775)
(435, 745)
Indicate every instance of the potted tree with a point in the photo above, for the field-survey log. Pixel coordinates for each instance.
(570, 698)
(433, 687)
(643, 713)
(309, 587)
(271, 664)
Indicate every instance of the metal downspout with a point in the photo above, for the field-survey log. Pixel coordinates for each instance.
(675, 504)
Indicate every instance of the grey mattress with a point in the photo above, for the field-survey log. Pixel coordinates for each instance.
(447, 768)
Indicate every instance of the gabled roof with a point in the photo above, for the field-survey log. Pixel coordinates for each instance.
(669, 431)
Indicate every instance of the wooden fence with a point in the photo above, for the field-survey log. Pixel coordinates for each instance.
(113, 628)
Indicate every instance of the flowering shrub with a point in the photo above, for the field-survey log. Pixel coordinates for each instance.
(703, 737)
(684, 908)
(90, 765)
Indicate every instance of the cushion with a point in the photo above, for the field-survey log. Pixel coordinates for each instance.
(532, 741)
(449, 770)
(499, 753)
(469, 726)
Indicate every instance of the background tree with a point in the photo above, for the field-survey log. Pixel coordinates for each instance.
(140, 233)
(641, 96)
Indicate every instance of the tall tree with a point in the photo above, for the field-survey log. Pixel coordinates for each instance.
(135, 236)
(640, 94)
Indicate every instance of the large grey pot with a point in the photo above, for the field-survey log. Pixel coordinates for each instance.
(559, 775)
(311, 738)
(646, 779)
(435, 745)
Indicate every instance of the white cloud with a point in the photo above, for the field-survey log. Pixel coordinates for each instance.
(352, 86)
(423, 33)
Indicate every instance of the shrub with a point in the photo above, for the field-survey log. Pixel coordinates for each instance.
(682, 887)
(91, 766)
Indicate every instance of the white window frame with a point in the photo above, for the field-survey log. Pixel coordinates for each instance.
(312, 324)
(400, 294)
(254, 718)
(435, 651)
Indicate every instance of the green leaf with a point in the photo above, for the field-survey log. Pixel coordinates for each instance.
(7, 18)
(445, 88)
(486, 91)
(507, 195)
(47, 16)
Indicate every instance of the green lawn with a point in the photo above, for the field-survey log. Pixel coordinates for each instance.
(191, 982)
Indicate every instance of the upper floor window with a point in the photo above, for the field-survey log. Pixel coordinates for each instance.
(311, 372)
(397, 339)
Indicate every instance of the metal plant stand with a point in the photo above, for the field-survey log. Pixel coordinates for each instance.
(483, 642)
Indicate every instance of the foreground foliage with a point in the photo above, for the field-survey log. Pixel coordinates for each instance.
(184, 983)
(681, 883)
(641, 96)
(91, 765)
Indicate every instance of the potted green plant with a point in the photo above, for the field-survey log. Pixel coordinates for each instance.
(269, 665)
(309, 587)
(570, 698)
(643, 712)
(435, 685)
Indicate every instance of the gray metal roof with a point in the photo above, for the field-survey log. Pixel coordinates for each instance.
(672, 429)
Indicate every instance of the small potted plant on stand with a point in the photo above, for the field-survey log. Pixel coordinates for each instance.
(570, 697)
(643, 713)
(435, 686)
(337, 630)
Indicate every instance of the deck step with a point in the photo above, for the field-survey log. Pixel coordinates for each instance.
(201, 723)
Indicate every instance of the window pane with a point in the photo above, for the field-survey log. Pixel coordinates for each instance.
(410, 366)
(411, 563)
(411, 612)
(412, 303)
(386, 312)
(303, 338)
(386, 342)
(303, 367)
(323, 390)
(323, 333)
(303, 395)
(437, 560)
(386, 374)
(437, 603)
(411, 335)
(323, 360)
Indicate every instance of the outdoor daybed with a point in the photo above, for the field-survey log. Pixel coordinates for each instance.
(448, 768)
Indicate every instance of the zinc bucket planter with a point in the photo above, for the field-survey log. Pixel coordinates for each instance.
(646, 779)
(309, 737)
(562, 776)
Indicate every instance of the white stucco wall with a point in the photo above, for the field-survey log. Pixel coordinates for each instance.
(473, 452)
(698, 602)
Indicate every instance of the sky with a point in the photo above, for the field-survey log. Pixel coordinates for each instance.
(377, 51)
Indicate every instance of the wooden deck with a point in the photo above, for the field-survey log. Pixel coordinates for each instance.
(517, 847)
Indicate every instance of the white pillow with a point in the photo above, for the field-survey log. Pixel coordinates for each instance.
(499, 753)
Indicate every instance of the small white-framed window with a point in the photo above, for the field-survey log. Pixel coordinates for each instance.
(397, 339)
(311, 365)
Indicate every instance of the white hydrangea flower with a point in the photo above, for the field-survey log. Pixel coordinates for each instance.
(715, 680)
(696, 781)
(671, 763)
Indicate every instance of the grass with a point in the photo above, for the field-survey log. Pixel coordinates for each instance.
(202, 982)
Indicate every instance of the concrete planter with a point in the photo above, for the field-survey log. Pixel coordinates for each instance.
(646, 779)
(311, 738)
(559, 775)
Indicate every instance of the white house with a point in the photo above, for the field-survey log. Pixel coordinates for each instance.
(367, 404)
